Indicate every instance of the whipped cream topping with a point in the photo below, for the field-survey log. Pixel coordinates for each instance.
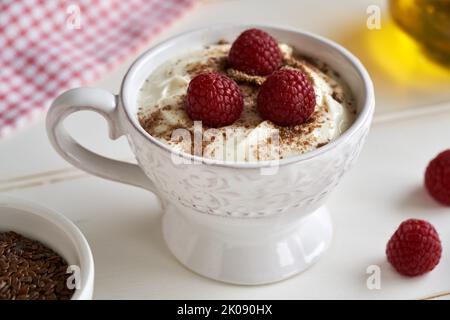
(162, 111)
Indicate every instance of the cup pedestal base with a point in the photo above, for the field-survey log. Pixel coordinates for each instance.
(236, 251)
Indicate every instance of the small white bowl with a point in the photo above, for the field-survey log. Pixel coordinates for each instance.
(56, 232)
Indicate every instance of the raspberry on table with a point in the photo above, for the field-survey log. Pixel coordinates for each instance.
(214, 99)
(415, 248)
(437, 178)
(286, 98)
(255, 52)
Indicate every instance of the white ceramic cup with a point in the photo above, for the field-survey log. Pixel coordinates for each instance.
(56, 232)
(226, 220)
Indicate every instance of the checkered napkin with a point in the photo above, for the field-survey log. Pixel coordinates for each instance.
(48, 46)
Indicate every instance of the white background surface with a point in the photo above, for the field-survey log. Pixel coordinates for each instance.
(122, 223)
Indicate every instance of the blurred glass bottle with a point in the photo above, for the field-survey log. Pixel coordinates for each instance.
(428, 21)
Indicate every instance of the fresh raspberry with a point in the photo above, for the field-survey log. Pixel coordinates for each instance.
(214, 99)
(286, 98)
(255, 52)
(415, 248)
(437, 178)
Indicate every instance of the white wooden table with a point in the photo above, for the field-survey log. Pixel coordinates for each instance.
(122, 223)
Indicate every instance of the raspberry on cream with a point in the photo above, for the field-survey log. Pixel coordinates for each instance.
(287, 98)
(255, 52)
(214, 99)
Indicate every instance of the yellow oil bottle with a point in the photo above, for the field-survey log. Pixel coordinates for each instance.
(428, 22)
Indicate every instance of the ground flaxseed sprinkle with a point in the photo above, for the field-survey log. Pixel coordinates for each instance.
(31, 271)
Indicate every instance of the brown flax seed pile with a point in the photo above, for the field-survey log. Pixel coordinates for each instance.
(31, 271)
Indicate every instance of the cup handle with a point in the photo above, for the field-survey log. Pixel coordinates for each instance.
(104, 103)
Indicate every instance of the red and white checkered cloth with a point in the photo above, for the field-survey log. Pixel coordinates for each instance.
(48, 46)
